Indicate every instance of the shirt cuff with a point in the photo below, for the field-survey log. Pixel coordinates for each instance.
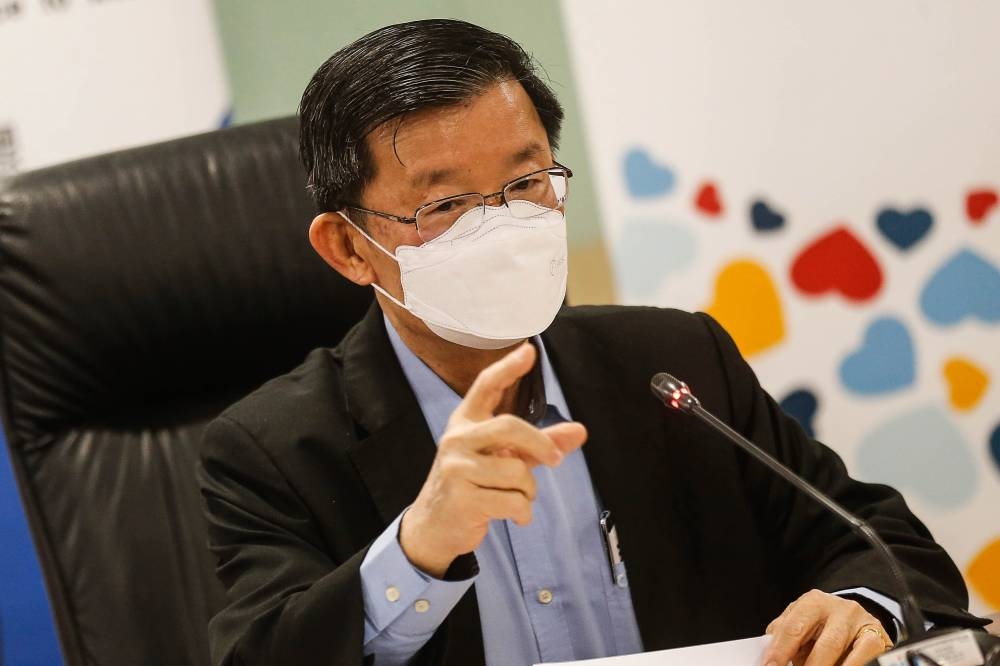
(397, 593)
(890, 605)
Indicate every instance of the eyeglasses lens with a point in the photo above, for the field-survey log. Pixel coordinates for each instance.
(547, 189)
(439, 217)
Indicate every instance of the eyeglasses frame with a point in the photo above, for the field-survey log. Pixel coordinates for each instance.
(486, 197)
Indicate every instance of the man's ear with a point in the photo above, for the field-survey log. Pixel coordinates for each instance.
(334, 240)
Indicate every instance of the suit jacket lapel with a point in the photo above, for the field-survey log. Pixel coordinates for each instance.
(394, 450)
(633, 468)
(393, 454)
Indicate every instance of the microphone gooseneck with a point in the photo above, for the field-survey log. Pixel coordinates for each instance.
(676, 394)
(913, 637)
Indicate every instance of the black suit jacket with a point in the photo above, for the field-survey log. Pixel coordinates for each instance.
(301, 476)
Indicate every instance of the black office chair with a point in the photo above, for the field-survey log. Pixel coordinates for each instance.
(140, 293)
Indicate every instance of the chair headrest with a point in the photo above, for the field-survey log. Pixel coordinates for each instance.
(155, 275)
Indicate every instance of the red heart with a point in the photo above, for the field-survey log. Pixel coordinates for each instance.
(837, 261)
(707, 200)
(978, 203)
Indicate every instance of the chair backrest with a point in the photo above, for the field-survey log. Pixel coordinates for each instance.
(140, 293)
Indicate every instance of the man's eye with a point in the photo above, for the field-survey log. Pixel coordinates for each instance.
(444, 207)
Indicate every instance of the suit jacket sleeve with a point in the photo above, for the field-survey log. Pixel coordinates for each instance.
(813, 548)
(288, 602)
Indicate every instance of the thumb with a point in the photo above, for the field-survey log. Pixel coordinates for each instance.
(567, 436)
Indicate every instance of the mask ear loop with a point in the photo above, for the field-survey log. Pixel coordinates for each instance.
(374, 242)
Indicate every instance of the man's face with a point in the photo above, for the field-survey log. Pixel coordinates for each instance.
(477, 146)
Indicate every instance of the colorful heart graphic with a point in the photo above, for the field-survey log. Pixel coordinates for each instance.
(644, 177)
(923, 453)
(967, 383)
(995, 446)
(707, 200)
(765, 218)
(965, 286)
(801, 405)
(904, 230)
(647, 252)
(837, 261)
(884, 363)
(747, 305)
(979, 203)
(983, 573)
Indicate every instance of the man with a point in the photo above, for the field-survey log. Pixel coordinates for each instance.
(434, 489)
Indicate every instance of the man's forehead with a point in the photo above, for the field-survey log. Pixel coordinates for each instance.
(500, 126)
(429, 176)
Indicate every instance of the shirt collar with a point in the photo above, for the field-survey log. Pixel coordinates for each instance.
(437, 400)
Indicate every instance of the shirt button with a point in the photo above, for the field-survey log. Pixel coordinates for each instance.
(544, 596)
(422, 606)
(392, 593)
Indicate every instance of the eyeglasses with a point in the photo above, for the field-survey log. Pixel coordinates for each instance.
(545, 187)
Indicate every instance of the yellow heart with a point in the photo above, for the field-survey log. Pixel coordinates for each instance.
(747, 305)
(967, 383)
(983, 574)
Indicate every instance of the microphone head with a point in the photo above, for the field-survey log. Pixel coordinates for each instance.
(673, 392)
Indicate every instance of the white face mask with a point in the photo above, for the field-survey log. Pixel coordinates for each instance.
(491, 280)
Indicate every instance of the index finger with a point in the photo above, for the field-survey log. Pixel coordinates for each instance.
(791, 633)
(487, 390)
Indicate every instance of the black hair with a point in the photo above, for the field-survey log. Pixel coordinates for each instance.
(397, 70)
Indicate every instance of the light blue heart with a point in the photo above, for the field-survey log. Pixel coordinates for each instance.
(644, 177)
(921, 452)
(647, 251)
(885, 361)
(965, 286)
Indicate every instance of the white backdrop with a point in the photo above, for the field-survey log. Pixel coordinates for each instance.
(81, 77)
(731, 141)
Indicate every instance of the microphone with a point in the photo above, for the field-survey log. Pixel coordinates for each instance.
(914, 642)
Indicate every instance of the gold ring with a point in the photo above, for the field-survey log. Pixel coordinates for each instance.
(871, 628)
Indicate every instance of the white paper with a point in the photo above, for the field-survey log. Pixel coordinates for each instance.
(746, 652)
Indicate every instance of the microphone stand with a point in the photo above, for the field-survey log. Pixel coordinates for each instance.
(914, 640)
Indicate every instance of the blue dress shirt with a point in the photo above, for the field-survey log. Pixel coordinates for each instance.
(545, 591)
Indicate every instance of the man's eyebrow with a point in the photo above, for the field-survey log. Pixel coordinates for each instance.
(431, 178)
(526, 153)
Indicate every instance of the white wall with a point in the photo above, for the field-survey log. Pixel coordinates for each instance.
(81, 77)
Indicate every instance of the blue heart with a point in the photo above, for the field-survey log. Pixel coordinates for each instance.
(885, 361)
(904, 230)
(765, 218)
(647, 251)
(644, 177)
(965, 286)
(801, 405)
(995, 446)
(923, 453)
